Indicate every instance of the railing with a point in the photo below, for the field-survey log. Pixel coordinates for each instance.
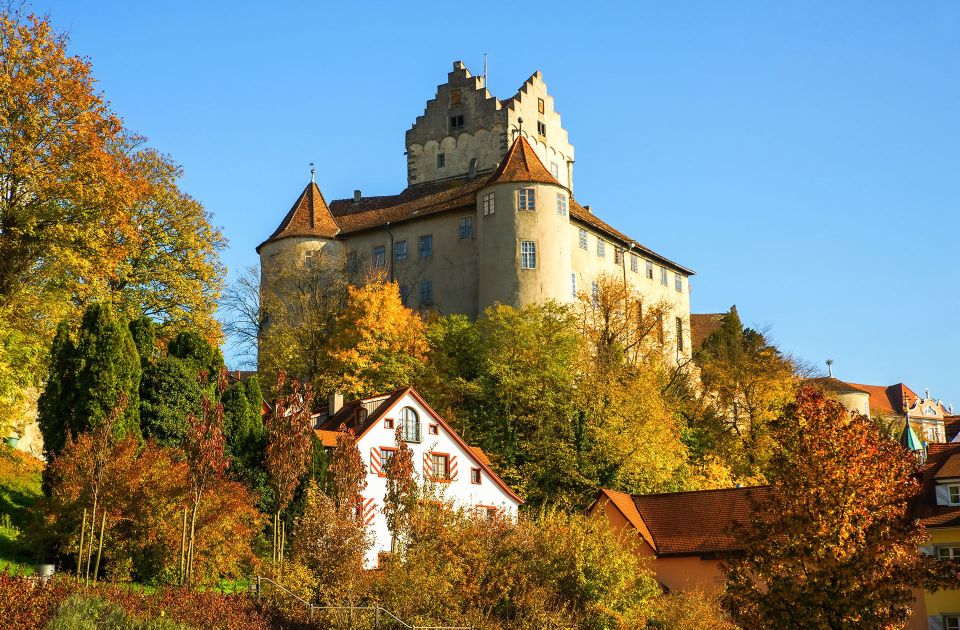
(376, 610)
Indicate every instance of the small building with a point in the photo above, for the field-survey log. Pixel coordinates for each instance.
(686, 534)
(461, 473)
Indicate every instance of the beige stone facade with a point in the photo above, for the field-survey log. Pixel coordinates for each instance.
(492, 221)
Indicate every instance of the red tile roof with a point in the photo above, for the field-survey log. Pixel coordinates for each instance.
(309, 216)
(830, 384)
(521, 164)
(702, 325)
(888, 400)
(940, 457)
(951, 426)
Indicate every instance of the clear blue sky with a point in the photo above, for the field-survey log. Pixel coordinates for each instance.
(803, 158)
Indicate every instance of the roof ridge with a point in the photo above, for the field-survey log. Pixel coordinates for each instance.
(309, 216)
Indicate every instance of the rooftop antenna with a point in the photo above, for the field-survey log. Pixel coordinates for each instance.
(313, 172)
(830, 368)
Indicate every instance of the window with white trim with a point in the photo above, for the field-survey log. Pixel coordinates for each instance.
(466, 228)
(951, 623)
(663, 276)
(601, 248)
(953, 494)
(528, 199)
(948, 553)
(649, 270)
(410, 423)
(634, 263)
(528, 255)
(488, 204)
(561, 204)
(678, 282)
(583, 239)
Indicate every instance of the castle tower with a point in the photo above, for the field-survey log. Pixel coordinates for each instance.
(523, 234)
(465, 131)
(307, 232)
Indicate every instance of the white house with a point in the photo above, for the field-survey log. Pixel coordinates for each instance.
(440, 456)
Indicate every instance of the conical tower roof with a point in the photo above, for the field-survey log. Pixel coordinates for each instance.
(908, 438)
(521, 164)
(309, 216)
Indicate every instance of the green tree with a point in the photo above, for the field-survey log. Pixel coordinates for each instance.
(832, 542)
(170, 392)
(90, 375)
(144, 333)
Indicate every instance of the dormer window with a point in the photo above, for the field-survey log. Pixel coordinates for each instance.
(456, 122)
(410, 423)
(953, 494)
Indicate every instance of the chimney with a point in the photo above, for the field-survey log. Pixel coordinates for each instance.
(336, 403)
(356, 196)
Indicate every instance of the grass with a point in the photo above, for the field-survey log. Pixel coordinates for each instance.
(19, 490)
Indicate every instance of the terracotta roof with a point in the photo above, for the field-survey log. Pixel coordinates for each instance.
(888, 400)
(521, 164)
(309, 216)
(702, 325)
(940, 457)
(950, 468)
(687, 523)
(624, 503)
(327, 438)
(951, 426)
(830, 384)
(480, 454)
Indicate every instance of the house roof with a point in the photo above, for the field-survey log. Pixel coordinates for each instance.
(702, 325)
(361, 415)
(309, 216)
(522, 164)
(835, 385)
(688, 523)
(943, 462)
(951, 426)
(888, 399)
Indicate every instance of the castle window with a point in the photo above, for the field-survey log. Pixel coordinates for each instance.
(528, 199)
(400, 250)
(595, 293)
(617, 256)
(426, 246)
(488, 203)
(663, 276)
(634, 263)
(441, 160)
(583, 239)
(308, 258)
(649, 270)
(426, 293)
(678, 282)
(410, 423)
(540, 105)
(601, 248)
(542, 129)
(680, 334)
(573, 284)
(561, 204)
(555, 170)
(456, 122)
(528, 255)
(379, 257)
(466, 227)
(455, 97)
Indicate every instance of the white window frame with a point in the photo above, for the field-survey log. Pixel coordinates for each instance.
(584, 245)
(527, 200)
(664, 280)
(555, 170)
(408, 433)
(634, 263)
(379, 256)
(561, 204)
(952, 552)
(601, 248)
(951, 622)
(678, 282)
(528, 254)
(649, 270)
(953, 494)
(489, 204)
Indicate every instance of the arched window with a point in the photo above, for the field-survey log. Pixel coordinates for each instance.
(411, 424)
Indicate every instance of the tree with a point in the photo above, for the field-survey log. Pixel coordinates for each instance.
(379, 344)
(402, 492)
(348, 475)
(144, 333)
(170, 392)
(206, 462)
(289, 445)
(745, 384)
(88, 377)
(832, 542)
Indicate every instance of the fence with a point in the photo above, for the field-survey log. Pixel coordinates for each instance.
(374, 616)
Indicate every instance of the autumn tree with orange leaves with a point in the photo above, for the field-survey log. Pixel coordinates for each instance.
(832, 545)
(402, 494)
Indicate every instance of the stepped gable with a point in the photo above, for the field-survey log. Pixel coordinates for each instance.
(309, 216)
(521, 164)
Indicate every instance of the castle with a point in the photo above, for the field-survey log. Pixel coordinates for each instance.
(488, 216)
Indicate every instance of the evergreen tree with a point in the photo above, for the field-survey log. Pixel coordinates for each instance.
(190, 346)
(144, 333)
(169, 393)
(57, 400)
(88, 377)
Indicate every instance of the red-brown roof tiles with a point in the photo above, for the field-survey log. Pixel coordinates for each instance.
(925, 508)
(702, 325)
(521, 164)
(888, 400)
(309, 216)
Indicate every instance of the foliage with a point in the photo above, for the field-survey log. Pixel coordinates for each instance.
(88, 377)
(19, 490)
(348, 474)
(170, 392)
(330, 545)
(289, 441)
(89, 613)
(745, 384)
(832, 542)
(403, 493)
(28, 606)
(690, 610)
